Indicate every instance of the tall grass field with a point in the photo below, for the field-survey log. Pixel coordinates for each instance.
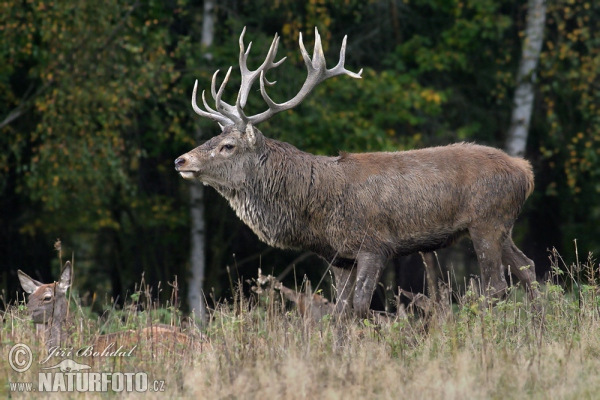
(459, 347)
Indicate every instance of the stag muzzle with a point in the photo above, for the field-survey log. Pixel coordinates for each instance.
(180, 162)
(184, 167)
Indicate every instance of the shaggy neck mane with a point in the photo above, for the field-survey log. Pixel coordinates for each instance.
(278, 194)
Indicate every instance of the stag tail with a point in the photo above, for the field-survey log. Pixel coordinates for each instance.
(530, 184)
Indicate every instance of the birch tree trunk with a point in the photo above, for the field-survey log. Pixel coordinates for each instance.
(197, 253)
(196, 298)
(524, 93)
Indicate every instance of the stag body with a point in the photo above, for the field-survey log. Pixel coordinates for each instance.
(359, 210)
(366, 208)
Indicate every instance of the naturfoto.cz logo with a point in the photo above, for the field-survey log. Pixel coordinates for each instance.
(71, 376)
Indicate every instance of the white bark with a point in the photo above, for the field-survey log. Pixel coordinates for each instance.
(196, 299)
(524, 92)
(208, 24)
(197, 253)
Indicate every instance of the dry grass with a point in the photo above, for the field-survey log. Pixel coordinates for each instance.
(263, 351)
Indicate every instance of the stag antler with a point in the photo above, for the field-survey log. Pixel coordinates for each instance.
(226, 114)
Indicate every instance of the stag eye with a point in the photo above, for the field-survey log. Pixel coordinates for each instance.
(227, 147)
(48, 297)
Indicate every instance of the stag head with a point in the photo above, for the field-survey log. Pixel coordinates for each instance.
(213, 162)
(225, 159)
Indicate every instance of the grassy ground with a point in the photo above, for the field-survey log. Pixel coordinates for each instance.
(458, 351)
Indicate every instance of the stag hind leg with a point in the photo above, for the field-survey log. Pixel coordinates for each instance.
(520, 265)
(488, 244)
(369, 268)
(345, 280)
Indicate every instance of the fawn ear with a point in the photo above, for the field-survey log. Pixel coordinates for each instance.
(28, 284)
(65, 277)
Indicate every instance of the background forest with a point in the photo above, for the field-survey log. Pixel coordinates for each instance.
(95, 107)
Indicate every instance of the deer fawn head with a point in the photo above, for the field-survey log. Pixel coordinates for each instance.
(47, 302)
(226, 160)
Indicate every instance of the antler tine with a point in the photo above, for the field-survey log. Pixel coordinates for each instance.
(230, 109)
(221, 119)
(223, 107)
(305, 55)
(317, 73)
(272, 105)
(267, 82)
(248, 77)
(318, 59)
(206, 104)
(339, 68)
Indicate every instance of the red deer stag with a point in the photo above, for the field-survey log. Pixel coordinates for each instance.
(358, 210)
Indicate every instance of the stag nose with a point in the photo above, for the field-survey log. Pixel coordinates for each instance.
(180, 162)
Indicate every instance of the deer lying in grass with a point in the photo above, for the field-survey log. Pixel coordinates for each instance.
(48, 306)
(357, 211)
(311, 305)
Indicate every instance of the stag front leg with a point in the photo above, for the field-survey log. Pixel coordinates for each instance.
(369, 267)
(345, 280)
(487, 242)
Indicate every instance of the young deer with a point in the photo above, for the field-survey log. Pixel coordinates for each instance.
(310, 305)
(357, 211)
(48, 306)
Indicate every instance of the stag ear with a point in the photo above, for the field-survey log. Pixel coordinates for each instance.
(251, 135)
